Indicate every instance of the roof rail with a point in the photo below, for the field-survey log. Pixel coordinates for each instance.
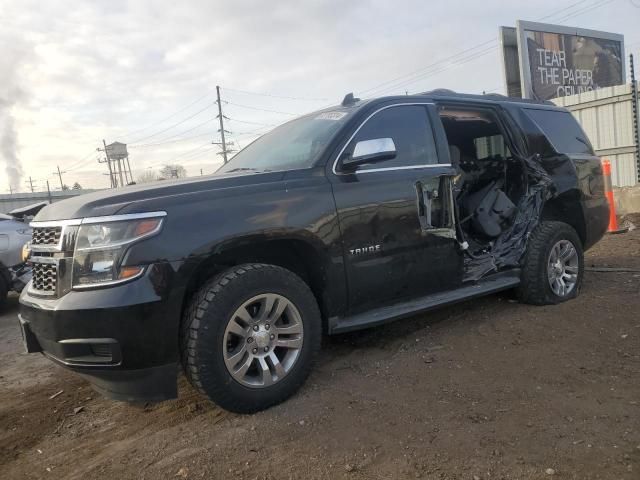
(439, 91)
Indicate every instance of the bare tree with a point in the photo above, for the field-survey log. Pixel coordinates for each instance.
(147, 176)
(76, 186)
(173, 171)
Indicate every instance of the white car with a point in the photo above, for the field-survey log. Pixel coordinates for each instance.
(15, 234)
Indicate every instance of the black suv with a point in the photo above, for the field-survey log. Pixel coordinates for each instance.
(342, 219)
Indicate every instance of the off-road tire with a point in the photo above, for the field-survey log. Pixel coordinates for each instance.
(203, 326)
(534, 287)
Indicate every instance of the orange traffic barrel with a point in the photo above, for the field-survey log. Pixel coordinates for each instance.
(608, 190)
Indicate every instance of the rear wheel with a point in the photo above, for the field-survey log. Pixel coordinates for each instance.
(250, 336)
(554, 265)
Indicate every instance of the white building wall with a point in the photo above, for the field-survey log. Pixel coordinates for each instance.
(606, 115)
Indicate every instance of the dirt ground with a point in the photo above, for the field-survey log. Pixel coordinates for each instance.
(487, 389)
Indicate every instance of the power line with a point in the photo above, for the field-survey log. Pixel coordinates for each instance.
(306, 99)
(165, 139)
(460, 58)
(461, 61)
(257, 131)
(190, 151)
(260, 109)
(128, 134)
(195, 155)
(553, 14)
(174, 125)
(82, 161)
(571, 15)
(163, 142)
(588, 9)
(423, 72)
(251, 123)
(146, 145)
(199, 153)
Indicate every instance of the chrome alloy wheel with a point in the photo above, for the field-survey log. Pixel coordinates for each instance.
(263, 340)
(562, 268)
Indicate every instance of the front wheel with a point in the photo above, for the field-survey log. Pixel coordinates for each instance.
(250, 336)
(553, 265)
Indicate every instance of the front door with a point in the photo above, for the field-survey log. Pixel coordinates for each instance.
(396, 215)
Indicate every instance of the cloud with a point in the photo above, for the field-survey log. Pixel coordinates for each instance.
(115, 70)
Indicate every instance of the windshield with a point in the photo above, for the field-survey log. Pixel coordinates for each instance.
(296, 144)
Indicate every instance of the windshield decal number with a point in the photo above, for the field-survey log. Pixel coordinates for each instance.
(330, 116)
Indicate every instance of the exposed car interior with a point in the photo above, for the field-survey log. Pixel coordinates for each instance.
(491, 180)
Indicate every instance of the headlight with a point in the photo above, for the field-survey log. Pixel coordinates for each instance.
(24, 231)
(26, 251)
(100, 248)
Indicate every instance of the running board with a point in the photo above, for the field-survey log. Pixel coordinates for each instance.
(494, 283)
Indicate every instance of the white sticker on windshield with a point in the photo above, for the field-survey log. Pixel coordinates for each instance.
(330, 116)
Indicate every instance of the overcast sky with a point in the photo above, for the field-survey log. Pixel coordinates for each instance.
(144, 72)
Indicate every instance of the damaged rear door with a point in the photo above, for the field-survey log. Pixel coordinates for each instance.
(395, 211)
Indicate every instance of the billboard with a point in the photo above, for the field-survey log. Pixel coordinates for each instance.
(556, 61)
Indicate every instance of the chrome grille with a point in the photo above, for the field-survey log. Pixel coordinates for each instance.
(45, 278)
(46, 236)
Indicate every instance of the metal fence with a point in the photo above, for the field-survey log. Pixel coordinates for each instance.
(606, 115)
(11, 201)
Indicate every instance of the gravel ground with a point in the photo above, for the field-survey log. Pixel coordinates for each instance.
(487, 389)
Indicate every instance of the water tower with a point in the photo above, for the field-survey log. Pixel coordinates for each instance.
(117, 153)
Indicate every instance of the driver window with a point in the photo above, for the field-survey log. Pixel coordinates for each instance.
(408, 126)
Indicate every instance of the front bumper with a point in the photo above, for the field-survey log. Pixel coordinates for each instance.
(123, 339)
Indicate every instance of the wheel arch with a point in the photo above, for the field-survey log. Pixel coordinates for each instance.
(303, 256)
(567, 208)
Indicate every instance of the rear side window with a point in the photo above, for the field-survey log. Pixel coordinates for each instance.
(409, 127)
(492, 146)
(562, 130)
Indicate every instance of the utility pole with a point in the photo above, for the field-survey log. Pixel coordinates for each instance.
(31, 184)
(49, 190)
(111, 174)
(60, 177)
(224, 144)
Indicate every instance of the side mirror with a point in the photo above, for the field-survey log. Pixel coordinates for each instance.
(369, 151)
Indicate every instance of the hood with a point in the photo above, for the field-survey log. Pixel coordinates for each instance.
(109, 202)
(29, 210)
